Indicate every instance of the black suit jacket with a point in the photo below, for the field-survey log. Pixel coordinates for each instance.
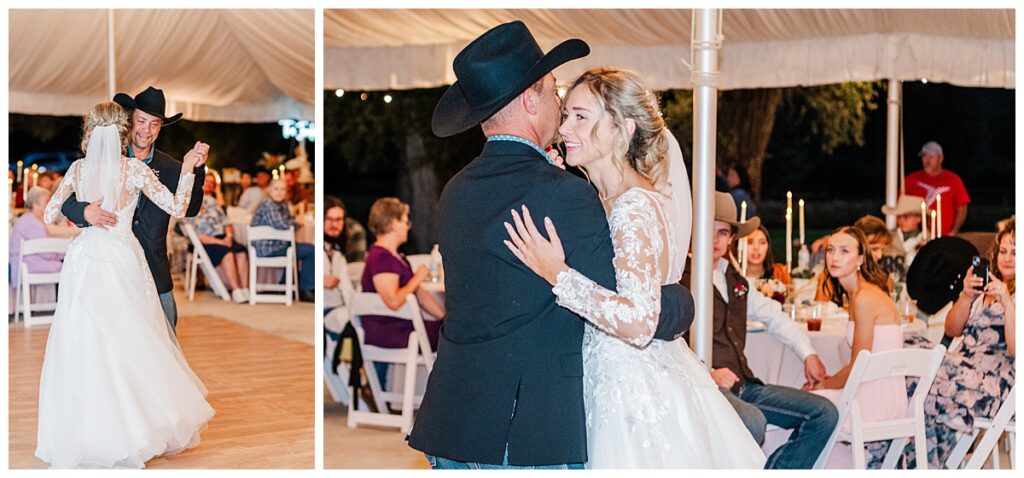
(505, 344)
(150, 222)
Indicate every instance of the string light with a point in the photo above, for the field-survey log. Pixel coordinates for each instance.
(363, 96)
(387, 98)
(924, 80)
(339, 92)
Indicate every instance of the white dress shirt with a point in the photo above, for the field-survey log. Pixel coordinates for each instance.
(768, 311)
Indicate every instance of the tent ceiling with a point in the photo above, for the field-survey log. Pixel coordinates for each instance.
(213, 65)
(397, 49)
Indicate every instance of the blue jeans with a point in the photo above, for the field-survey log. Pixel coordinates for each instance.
(439, 463)
(812, 418)
(306, 255)
(170, 308)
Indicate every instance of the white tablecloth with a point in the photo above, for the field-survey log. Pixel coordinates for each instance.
(774, 363)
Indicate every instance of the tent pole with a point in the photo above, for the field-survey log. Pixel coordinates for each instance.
(705, 42)
(892, 148)
(111, 71)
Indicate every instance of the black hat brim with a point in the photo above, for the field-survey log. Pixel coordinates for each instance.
(128, 102)
(936, 276)
(453, 114)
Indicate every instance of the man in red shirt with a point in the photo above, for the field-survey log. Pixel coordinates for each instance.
(933, 181)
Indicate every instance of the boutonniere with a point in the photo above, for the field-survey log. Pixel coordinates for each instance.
(741, 289)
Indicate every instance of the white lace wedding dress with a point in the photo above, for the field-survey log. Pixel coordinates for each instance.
(115, 388)
(649, 403)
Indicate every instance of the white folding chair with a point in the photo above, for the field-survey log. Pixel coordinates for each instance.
(198, 259)
(23, 297)
(355, 274)
(990, 432)
(336, 381)
(416, 353)
(286, 262)
(922, 363)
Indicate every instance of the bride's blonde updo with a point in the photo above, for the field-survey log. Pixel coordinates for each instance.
(105, 114)
(623, 95)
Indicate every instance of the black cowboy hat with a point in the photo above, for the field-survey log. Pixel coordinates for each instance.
(494, 69)
(151, 101)
(936, 276)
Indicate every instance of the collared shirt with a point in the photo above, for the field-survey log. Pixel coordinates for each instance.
(517, 139)
(277, 215)
(767, 310)
(211, 218)
(146, 160)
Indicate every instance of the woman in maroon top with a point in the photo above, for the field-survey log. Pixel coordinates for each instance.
(390, 275)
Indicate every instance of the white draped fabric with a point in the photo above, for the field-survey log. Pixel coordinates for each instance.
(213, 65)
(401, 49)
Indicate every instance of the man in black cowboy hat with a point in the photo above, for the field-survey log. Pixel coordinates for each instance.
(812, 417)
(506, 389)
(146, 115)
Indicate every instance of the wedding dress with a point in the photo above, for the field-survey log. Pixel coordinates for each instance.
(115, 389)
(649, 403)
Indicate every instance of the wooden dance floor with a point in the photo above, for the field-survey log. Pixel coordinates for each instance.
(261, 388)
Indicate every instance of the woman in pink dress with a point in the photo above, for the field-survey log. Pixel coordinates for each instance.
(858, 280)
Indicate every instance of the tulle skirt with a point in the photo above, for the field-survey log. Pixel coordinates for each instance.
(115, 389)
(658, 407)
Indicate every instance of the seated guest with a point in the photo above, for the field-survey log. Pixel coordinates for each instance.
(254, 193)
(874, 325)
(217, 236)
(810, 416)
(760, 262)
(878, 238)
(390, 275)
(337, 285)
(275, 212)
(908, 236)
(48, 180)
(975, 378)
(30, 226)
(739, 187)
(296, 193)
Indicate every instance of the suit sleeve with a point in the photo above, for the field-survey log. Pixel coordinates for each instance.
(74, 210)
(583, 229)
(196, 202)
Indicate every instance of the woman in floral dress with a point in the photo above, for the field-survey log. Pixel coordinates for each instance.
(976, 376)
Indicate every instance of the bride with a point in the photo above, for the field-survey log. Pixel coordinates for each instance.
(115, 388)
(649, 403)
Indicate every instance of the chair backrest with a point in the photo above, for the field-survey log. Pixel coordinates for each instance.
(370, 303)
(922, 363)
(260, 233)
(355, 272)
(44, 246)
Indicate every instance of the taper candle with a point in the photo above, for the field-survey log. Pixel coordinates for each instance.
(789, 239)
(938, 213)
(802, 222)
(924, 220)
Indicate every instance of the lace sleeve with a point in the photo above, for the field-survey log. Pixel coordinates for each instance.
(67, 186)
(145, 179)
(632, 313)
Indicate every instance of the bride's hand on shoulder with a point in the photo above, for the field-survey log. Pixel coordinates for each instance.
(543, 256)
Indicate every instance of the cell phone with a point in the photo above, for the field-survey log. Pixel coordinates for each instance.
(980, 265)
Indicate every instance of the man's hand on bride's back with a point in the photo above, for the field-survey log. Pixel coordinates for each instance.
(544, 257)
(95, 215)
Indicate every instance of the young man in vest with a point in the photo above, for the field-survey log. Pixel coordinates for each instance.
(811, 417)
